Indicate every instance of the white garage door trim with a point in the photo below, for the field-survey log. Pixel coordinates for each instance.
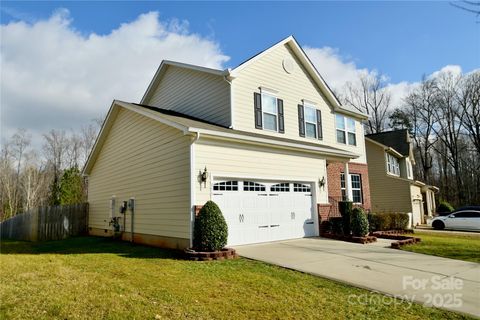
(287, 230)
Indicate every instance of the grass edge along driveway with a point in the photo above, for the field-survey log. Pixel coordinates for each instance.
(95, 278)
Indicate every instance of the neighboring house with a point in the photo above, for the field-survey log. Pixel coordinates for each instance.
(267, 141)
(393, 187)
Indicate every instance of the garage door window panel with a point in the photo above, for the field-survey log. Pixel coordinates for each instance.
(226, 186)
(280, 187)
(253, 186)
(298, 187)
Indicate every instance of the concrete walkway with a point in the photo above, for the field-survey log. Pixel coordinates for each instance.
(445, 283)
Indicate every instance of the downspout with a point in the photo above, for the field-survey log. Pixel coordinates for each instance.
(192, 185)
(131, 204)
(228, 78)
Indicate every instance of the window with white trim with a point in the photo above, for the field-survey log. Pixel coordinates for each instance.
(409, 169)
(269, 112)
(345, 128)
(298, 187)
(393, 167)
(226, 186)
(253, 186)
(280, 187)
(311, 121)
(356, 186)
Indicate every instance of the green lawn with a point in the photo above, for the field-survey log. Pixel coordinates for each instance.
(455, 246)
(94, 278)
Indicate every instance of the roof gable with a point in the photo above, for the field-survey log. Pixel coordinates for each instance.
(163, 68)
(311, 70)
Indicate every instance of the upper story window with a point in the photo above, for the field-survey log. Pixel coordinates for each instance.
(345, 130)
(393, 167)
(309, 121)
(268, 112)
(409, 169)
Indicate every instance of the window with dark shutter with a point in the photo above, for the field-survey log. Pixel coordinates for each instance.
(257, 98)
(281, 122)
(301, 121)
(319, 125)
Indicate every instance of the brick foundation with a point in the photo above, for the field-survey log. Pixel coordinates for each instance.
(334, 170)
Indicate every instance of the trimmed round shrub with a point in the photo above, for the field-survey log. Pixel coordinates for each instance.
(444, 207)
(345, 208)
(359, 223)
(211, 230)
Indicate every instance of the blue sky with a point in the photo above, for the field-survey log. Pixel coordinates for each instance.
(401, 39)
(62, 63)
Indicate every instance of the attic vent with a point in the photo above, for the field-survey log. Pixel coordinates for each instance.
(288, 65)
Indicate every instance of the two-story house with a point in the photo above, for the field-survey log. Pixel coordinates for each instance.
(393, 187)
(268, 141)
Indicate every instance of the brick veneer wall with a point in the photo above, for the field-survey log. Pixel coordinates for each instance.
(333, 174)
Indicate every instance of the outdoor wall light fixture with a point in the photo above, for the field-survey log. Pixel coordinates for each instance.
(204, 175)
(321, 182)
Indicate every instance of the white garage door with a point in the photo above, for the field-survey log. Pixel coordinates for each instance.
(258, 211)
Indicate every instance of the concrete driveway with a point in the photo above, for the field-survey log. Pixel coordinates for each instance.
(433, 281)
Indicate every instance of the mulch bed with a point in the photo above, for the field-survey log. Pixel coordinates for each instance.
(362, 240)
(225, 253)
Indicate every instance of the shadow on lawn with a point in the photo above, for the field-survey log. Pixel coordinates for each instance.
(88, 245)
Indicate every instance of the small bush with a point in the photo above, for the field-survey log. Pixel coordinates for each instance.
(372, 221)
(345, 208)
(399, 221)
(337, 225)
(211, 230)
(444, 207)
(388, 221)
(384, 221)
(359, 223)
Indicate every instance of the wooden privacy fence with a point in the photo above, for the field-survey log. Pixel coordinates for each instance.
(47, 223)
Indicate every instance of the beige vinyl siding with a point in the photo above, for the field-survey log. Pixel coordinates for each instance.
(199, 94)
(227, 159)
(387, 193)
(268, 72)
(145, 159)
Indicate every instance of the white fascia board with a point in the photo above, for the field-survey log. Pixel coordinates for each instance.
(270, 142)
(386, 148)
(234, 72)
(158, 118)
(395, 152)
(100, 134)
(357, 115)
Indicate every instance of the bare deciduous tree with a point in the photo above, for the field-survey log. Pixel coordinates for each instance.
(449, 124)
(468, 97)
(420, 105)
(370, 96)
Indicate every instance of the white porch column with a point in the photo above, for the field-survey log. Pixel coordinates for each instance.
(348, 183)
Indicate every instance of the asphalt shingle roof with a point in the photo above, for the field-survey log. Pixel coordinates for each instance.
(397, 139)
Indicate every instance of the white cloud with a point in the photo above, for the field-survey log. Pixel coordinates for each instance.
(336, 70)
(339, 71)
(53, 76)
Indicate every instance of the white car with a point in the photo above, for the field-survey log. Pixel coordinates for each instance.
(458, 220)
